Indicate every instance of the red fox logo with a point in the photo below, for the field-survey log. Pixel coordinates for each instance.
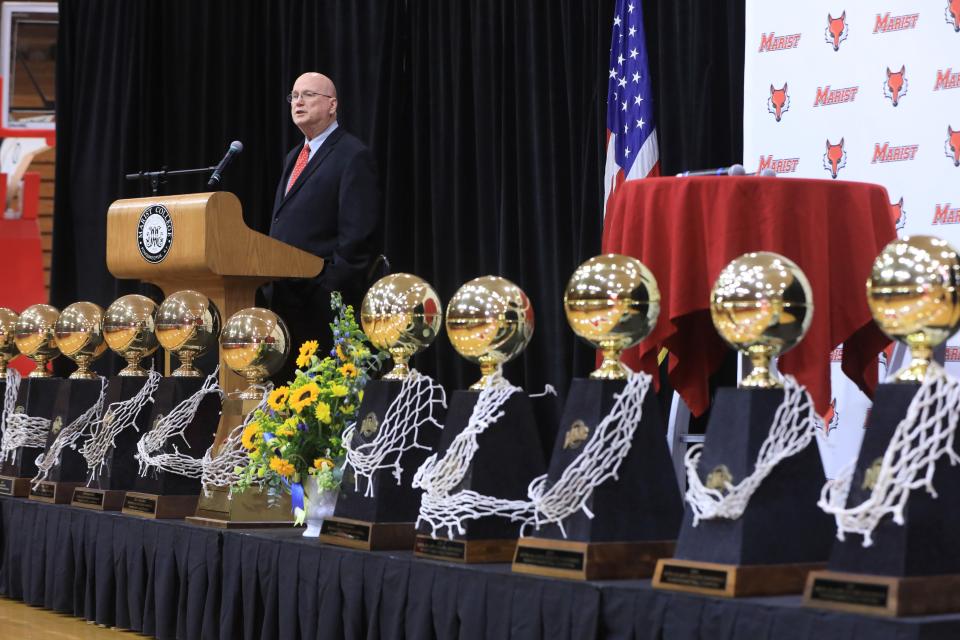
(836, 30)
(831, 419)
(835, 158)
(952, 146)
(898, 214)
(896, 85)
(952, 14)
(778, 102)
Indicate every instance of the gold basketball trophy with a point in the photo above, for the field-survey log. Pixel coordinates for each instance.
(8, 348)
(79, 336)
(254, 343)
(187, 325)
(762, 306)
(489, 322)
(33, 336)
(129, 325)
(612, 302)
(129, 328)
(895, 552)
(402, 315)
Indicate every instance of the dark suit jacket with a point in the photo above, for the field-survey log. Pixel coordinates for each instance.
(333, 211)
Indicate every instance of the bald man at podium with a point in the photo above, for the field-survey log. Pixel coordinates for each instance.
(328, 203)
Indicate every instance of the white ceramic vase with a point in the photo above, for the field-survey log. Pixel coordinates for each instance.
(319, 504)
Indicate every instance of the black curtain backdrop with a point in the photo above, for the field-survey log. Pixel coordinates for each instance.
(486, 118)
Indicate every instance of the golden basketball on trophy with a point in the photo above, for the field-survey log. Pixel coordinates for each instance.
(8, 348)
(34, 336)
(401, 314)
(612, 302)
(188, 324)
(914, 295)
(255, 343)
(130, 331)
(79, 335)
(489, 322)
(761, 304)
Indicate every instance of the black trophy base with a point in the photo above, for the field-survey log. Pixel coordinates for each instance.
(369, 536)
(120, 470)
(97, 499)
(508, 457)
(74, 398)
(642, 504)
(589, 560)
(731, 580)
(464, 551)
(926, 543)
(391, 503)
(36, 398)
(247, 510)
(883, 595)
(14, 487)
(53, 492)
(782, 524)
(150, 505)
(177, 490)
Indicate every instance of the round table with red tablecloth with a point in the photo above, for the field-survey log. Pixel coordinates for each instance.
(687, 229)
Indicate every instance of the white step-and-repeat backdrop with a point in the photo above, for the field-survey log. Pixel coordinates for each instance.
(862, 90)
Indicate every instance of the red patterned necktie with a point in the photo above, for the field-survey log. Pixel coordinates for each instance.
(299, 166)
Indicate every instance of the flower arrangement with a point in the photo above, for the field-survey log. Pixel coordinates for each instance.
(298, 436)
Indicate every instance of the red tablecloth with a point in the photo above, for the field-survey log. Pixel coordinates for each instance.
(687, 229)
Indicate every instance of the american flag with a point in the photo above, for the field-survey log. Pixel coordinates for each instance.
(632, 150)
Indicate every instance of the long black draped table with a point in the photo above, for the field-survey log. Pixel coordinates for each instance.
(170, 579)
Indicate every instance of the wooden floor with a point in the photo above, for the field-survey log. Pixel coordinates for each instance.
(23, 622)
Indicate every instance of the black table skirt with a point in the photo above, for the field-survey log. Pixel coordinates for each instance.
(158, 578)
(175, 580)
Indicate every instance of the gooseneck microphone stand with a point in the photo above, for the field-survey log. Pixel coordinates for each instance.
(157, 178)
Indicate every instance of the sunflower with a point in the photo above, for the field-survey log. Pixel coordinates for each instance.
(251, 436)
(322, 464)
(281, 467)
(340, 353)
(307, 349)
(322, 411)
(339, 390)
(348, 370)
(278, 398)
(304, 396)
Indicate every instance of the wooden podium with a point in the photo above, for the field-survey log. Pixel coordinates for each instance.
(210, 250)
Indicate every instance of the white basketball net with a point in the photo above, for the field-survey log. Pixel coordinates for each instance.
(21, 430)
(173, 425)
(118, 417)
(220, 470)
(399, 432)
(69, 435)
(441, 509)
(9, 397)
(792, 430)
(924, 435)
(598, 462)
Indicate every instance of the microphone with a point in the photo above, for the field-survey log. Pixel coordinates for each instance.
(235, 147)
(732, 170)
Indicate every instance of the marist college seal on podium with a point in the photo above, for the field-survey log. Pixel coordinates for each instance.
(155, 233)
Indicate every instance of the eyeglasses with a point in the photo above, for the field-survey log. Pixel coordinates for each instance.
(306, 95)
